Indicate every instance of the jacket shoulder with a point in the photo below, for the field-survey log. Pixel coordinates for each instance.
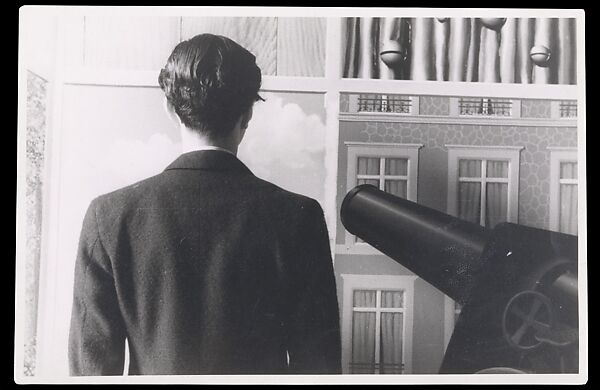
(128, 196)
(288, 197)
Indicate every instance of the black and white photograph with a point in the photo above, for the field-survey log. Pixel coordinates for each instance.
(262, 195)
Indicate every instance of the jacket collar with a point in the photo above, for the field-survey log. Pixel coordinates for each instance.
(214, 160)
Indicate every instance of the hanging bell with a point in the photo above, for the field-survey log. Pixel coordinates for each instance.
(493, 23)
(540, 55)
(392, 54)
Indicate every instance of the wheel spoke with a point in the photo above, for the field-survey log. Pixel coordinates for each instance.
(516, 338)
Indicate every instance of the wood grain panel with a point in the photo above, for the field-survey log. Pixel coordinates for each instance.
(422, 66)
(403, 35)
(257, 35)
(567, 54)
(441, 34)
(523, 63)
(301, 47)
(473, 52)
(387, 32)
(350, 34)
(508, 48)
(489, 61)
(460, 36)
(543, 33)
(366, 47)
(129, 43)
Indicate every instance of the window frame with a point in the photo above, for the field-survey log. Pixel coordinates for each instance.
(485, 153)
(559, 155)
(352, 282)
(380, 150)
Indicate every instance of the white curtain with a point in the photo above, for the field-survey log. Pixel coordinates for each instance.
(568, 199)
(496, 204)
(396, 166)
(363, 334)
(391, 343)
(469, 193)
(396, 187)
(368, 166)
(392, 325)
(496, 194)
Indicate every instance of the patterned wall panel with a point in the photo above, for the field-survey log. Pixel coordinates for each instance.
(532, 108)
(535, 158)
(434, 105)
(34, 159)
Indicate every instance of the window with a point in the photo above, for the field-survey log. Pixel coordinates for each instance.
(483, 184)
(563, 190)
(390, 167)
(377, 324)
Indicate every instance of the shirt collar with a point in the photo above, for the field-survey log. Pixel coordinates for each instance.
(215, 159)
(209, 147)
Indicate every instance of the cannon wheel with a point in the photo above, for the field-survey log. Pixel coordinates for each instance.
(526, 314)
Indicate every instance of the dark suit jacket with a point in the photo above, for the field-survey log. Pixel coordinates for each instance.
(204, 269)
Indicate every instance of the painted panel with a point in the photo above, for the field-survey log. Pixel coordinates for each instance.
(461, 49)
(534, 167)
(128, 42)
(301, 46)
(106, 128)
(110, 137)
(285, 144)
(258, 35)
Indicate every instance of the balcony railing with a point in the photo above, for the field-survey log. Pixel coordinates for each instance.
(485, 107)
(385, 103)
(568, 109)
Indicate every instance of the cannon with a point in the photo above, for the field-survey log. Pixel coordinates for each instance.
(517, 285)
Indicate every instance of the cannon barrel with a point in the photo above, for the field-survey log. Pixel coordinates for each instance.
(440, 248)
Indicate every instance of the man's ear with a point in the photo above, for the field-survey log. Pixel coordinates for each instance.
(170, 110)
(246, 116)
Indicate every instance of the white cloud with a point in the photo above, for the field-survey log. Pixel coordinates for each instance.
(286, 146)
(129, 160)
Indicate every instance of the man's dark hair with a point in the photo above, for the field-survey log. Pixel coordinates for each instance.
(210, 81)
